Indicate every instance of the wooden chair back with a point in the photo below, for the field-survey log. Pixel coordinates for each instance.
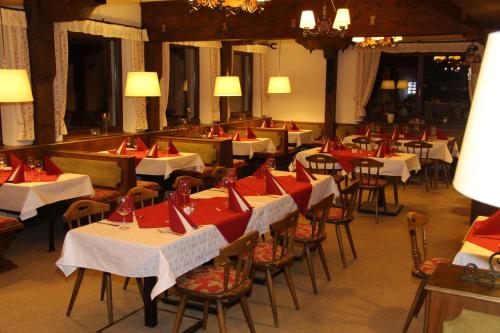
(419, 148)
(348, 197)
(196, 183)
(320, 216)
(283, 232)
(321, 164)
(218, 173)
(362, 141)
(451, 145)
(238, 256)
(418, 238)
(82, 211)
(366, 170)
(141, 195)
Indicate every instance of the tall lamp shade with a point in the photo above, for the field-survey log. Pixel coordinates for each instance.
(142, 84)
(227, 86)
(15, 86)
(388, 85)
(479, 158)
(279, 85)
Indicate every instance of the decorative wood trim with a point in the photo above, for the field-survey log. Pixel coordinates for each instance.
(331, 57)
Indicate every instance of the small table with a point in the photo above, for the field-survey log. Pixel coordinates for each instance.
(247, 147)
(448, 295)
(299, 137)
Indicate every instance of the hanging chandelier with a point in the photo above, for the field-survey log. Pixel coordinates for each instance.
(374, 42)
(230, 7)
(324, 26)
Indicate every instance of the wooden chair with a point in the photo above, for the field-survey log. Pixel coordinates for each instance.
(343, 216)
(222, 283)
(313, 234)
(324, 165)
(140, 195)
(367, 171)
(363, 142)
(196, 183)
(421, 149)
(422, 266)
(276, 256)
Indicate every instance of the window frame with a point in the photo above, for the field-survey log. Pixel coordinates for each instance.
(244, 84)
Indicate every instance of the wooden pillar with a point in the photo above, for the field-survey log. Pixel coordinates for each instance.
(331, 56)
(153, 62)
(420, 86)
(226, 68)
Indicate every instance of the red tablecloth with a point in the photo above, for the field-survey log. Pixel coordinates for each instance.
(30, 177)
(344, 157)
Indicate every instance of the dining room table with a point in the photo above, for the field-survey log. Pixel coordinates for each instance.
(397, 166)
(248, 147)
(164, 164)
(147, 249)
(300, 137)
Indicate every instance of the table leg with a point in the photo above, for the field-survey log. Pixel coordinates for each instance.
(150, 305)
(395, 184)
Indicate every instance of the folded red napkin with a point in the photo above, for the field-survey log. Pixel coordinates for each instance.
(263, 125)
(179, 222)
(122, 149)
(271, 124)
(441, 134)
(251, 134)
(153, 152)
(50, 167)
(211, 132)
(302, 174)
(221, 133)
(325, 147)
(367, 133)
(236, 136)
(17, 175)
(171, 148)
(14, 162)
(490, 226)
(140, 144)
(236, 201)
(115, 217)
(259, 173)
(425, 136)
(394, 134)
(294, 126)
(272, 185)
(285, 125)
(382, 150)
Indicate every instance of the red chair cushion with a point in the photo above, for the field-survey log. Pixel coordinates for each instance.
(7, 222)
(374, 182)
(149, 185)
(264, 252)
(105, 195)
(334, 213)
(304, 231)
(206, 280)
(429, 266)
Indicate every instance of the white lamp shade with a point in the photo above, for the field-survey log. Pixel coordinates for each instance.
(307, 20)
(397, 39)
(377, 38)
(388, 85)
(279, 85)
(476, 175)
(358, 39)
(227, 86)
(342, 19)
(15, 86)
(402, 84)
(142, 84)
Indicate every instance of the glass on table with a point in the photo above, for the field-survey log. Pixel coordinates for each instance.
(232, 174)
(124, 206)
(30, 162)
(39, 168)
(271, 164)
(3, 162)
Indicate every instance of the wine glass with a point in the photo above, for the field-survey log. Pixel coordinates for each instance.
(123, 207)
(231, 174)
(30, 162)
(271, 164)
(3, 162)
(185, 190)
(39, 168)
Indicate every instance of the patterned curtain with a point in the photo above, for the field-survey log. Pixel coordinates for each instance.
(61, 79)
(214, 72)
(141, 119)
(264, 78)
(21, 123)
(164, 84)
(366, 72)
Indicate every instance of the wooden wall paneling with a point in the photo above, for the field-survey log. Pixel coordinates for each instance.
(154, 62)
(331, 56)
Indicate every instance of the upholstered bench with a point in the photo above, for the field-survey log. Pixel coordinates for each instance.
(8, 228)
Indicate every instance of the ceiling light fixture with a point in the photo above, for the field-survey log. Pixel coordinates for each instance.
(231, 7)
(279, 84)
(324, 25)
(374, 42)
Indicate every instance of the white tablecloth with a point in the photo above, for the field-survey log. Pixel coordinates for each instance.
(25, 198)
(146, 252)
(439, 150)
(164, 166)
(248, 148)
(300, 137)
(397, 166)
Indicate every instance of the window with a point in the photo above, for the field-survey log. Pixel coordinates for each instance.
(241, 106)
(94, 82)
(412, 87)
(183, 97)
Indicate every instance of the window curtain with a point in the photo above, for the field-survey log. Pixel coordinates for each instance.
(366, 72)
(18, 117)
(164, 84)
(136, 54)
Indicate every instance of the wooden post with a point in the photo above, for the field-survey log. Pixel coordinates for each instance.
(331, 56)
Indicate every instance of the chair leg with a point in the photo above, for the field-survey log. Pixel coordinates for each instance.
(418, 299)
(349, 237)
(109, 298)
(76, 288)
(289, 281)
(220, 317)
(103, 286)
(246, 312)
(206, 306)
(426, 176)
(376, 207)
(125, 284)
(360, 194)
(310, 268)
(323, 261)
(446, 174)
(180, 314)
(341, 244)
(272, 297)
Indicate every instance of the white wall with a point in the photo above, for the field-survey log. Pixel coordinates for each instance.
(206, 114)
(346, 74)
(308, 80)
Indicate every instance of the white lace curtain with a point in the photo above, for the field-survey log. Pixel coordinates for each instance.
(17, 117)
(366, 72)
(164, 83)
(127, 34)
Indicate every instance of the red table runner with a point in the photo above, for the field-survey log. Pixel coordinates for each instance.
(30, 177)
(344, 157)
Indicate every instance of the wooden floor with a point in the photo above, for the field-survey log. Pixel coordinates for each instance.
(372, 295)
